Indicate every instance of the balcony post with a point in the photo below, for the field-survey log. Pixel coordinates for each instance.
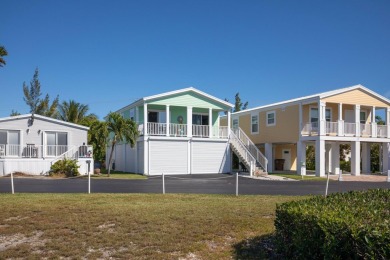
(300, 118)
(355, 158)
(357, 120)
(210, 122)
(168, 120)
(374, 132)
(321, 117)
(228, 123)
(340, 125)
(388, 121)
(189, 121)
(145, 119)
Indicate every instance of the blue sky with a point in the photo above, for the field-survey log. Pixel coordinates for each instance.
(108, 53)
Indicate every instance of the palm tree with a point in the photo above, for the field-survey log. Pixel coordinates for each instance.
(74, 112)
(3, 52)
(120, 130)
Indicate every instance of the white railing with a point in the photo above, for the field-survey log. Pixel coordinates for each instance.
(157, 128)
(310, 128)
(332, 128)
(255, 152)
(381, 131)
(365, 130)
(349, 129)
(177, 129)
(55, 150)
(41, 151)
(221, 132)
(200, 131)
(248, 159)
(9, 150)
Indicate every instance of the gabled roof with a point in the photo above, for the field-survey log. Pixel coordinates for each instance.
(141, 101)
(10, 118)
(316, 97)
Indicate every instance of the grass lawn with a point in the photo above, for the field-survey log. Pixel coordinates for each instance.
(118, 175)
(135, 226)
(299, 177)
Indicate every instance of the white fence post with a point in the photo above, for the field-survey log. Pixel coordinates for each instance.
(340, 175)
(12, 183)
(327, 185)
(388, 176)
(163, 182)
(236, 183)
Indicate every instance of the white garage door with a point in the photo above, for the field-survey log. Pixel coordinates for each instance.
(209, 157)
(168, 157)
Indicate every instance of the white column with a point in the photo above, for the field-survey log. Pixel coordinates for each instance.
(145, 119)
(388, 121)
(168, 120)
(321, 117)
(355, 158)
(189, 121)
(328, 158)
(340, 125)
(386, 159)
(270, 156)
(210, 122)
(320, 157)
(357, 120)
(374, 132)
(366, 158)
(301, 158)
(300, 119)
(335, 158)
(228, 121)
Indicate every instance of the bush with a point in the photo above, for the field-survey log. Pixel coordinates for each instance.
(67, 167)
(353, 225)
(345, 166)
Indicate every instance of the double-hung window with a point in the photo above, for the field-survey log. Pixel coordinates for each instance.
(362, 117)
(235, 123)
(255, 124)
(56, 143)
(314, 116)
(271, 118)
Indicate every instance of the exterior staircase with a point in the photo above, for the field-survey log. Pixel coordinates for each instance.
(248, 153)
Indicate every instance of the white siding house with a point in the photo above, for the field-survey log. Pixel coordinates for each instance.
(179, 134)
(32, 143)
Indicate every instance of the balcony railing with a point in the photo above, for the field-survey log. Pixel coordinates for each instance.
(347, 129)
(42, 151)
(180, 130)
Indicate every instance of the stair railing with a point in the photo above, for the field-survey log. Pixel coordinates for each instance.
(252, 148)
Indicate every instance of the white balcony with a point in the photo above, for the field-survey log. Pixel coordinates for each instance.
(181, 130)
(346, 129)
(42, 151)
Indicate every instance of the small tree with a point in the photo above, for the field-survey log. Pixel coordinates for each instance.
(14, 113)
(120, 130)
(238, 105)
(75, 112)
(32, 98)
(97, 137)
(3, 52)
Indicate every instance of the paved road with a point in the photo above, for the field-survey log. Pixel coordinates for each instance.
(206, 184)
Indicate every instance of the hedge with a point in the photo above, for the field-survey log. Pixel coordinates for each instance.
(352, 225)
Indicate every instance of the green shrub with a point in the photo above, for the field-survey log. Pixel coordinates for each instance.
(345, 166)
(67, 167)
(353, 225)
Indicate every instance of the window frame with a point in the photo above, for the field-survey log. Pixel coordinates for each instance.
(365, 117)
(274, 118)
(238, 122)
(257, 123)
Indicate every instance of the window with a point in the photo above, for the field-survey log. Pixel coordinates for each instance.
(56, 143)
(271, 118)
(157, 117)
(254, 124)
(363, 117)
(9, 142)
(235, 123)
(314, 115)
(199, 119)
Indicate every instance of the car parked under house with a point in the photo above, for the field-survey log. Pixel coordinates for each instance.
(32, 143)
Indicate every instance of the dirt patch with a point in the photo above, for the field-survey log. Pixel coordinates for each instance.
(18, 239)
(190, 256)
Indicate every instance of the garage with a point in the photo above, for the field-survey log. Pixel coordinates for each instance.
(168, 157)
(210, 157)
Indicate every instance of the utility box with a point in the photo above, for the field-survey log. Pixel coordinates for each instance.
(279, 164)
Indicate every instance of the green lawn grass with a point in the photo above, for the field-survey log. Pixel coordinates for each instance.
(135, 226)
(299, 177)
(118, 175)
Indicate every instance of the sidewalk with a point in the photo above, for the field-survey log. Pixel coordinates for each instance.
(362, 177)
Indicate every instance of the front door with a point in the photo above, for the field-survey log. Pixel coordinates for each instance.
(286, 155)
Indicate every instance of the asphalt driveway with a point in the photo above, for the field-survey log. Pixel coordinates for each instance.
(205, 184)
